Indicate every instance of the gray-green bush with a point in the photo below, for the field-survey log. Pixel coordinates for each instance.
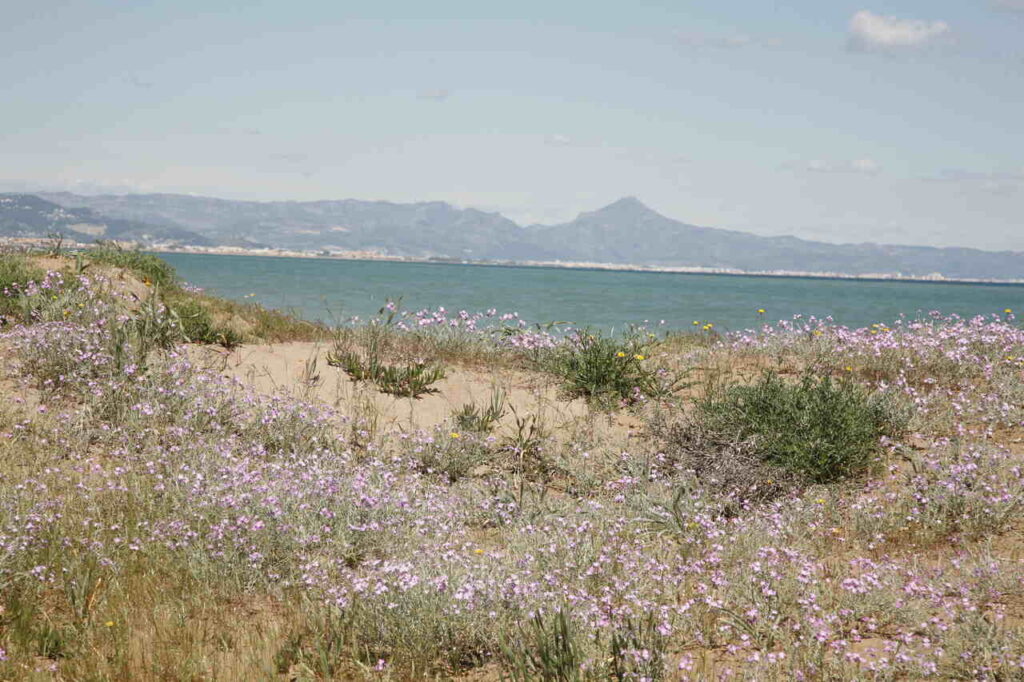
(815, 430)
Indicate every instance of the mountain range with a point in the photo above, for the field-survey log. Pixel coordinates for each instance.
(28, 215)
(624, 232)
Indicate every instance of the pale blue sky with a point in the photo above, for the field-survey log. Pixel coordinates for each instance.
(895, 121)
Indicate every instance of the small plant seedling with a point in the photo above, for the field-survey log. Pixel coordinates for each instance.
(411, 380)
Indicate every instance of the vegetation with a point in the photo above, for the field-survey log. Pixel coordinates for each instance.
(472, 417)
(817, 429)
(410, 379)
(16, 270)
(596, 366)
(161, 521)
(202, 318)
(149, 268)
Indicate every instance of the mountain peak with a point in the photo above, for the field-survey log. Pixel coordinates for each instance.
(626, 206)
(627, 202)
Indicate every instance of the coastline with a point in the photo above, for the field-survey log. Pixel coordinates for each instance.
(935, 278)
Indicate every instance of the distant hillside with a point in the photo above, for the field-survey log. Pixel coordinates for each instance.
(627, 231)
(27, 215)
(418, 230)
(624, 232)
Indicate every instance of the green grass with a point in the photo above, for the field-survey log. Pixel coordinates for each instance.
(147, 267)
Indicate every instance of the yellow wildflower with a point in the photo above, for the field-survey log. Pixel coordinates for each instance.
(478, 551)
(620, 354)
(456, 435)
(109, 624)
(638, 357)
(820, 500)
(760, 311)
(1008, 311)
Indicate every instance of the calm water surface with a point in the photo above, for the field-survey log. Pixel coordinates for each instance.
(326, 289)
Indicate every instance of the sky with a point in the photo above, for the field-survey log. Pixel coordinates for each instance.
(898, 121)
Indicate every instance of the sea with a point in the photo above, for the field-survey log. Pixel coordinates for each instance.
(335, 291)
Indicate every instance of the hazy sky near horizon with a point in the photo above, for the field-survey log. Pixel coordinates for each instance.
(875, 120)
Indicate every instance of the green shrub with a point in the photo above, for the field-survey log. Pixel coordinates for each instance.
(819, 429)
(592, 365)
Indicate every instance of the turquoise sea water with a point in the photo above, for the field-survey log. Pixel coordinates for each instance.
(326, 289)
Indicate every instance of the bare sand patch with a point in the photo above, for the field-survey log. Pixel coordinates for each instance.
(301, 369)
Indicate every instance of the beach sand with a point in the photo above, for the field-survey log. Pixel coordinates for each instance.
(290, 368)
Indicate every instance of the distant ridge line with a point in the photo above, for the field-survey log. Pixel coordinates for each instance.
(625, 234)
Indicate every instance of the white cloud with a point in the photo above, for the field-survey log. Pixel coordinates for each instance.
(870, 31)
(856, 166)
